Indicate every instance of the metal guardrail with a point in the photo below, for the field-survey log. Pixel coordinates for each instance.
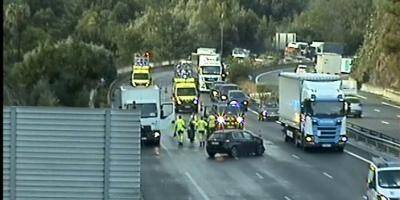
(375, 139)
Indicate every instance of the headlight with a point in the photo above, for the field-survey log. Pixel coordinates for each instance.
(156, 134)
(178, 101)
(344, 139)
(215, 93)
(223, 97)
(239, 119)
(220, 119)
(245, 102)
(309, 139)
(195, 101)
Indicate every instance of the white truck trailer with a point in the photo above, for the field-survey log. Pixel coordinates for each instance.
(329, 63)
(154, 114)
(311, 109)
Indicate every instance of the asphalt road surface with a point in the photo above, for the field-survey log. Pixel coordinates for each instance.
(283, 172)
(379, 114)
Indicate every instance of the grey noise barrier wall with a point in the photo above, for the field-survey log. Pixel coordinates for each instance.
(70, 153)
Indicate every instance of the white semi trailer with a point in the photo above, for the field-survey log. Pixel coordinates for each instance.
(311, 109)
(154, 114)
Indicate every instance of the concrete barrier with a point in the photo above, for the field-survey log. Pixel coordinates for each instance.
(388, 93)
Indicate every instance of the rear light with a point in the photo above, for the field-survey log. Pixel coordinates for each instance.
(220, 119)
(227, 141)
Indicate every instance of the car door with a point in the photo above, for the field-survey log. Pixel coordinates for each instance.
(239, 141)
(250, 142)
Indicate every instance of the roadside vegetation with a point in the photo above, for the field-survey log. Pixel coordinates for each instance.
(56, 51)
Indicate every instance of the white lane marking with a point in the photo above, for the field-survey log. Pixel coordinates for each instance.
(201, 191)
(358, 156)
(377, 110)
(388, 104)
(287, 198)
(253, 111)
(398, 116)
(259, 176)
(295, 156)
(327, 175)
(362, 97)
(385, 122)
(278, 122)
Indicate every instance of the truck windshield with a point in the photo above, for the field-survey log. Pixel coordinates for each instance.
(327, 108)
(389, 179)
(186, 92)
(211, 70)
(141, 76)
(148, 110)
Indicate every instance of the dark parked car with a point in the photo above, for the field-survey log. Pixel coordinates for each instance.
(214, 90)
(240, 97)
(234, 142)
(224, 89)
(269, 111)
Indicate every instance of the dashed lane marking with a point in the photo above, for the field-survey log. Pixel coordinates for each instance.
(377, 110)
(253, 111)
(327, 175)
(388, 104)
(398, 116)
(259, 176)
(385, 122)
(364, 197)
(201, 191)
(295, 156)
(287, 198)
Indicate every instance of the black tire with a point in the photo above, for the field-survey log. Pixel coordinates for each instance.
(340, 149)
(234, 152)
(303, 146)
(297, 142)
(157, 142)
(260, 150)
(211, 154)
(285, 137)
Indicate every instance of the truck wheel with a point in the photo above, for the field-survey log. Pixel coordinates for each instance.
(285, 137)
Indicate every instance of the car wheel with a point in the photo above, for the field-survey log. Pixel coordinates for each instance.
(340, 149)
(234, 152)
(211, 154)
(157, 142)
(260, 150)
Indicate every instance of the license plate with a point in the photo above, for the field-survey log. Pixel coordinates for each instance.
(187, 106)
(215, 143)
(326, 145)
(144, 138)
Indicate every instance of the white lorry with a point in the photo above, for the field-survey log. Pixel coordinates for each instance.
(311, 110)
(154, 114)
(329, 63)
(209, 68)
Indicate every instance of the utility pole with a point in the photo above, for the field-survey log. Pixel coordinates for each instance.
(222, 33)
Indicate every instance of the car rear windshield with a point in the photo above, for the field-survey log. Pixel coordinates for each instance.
(230, 87)
(238, 95)
(218, 136)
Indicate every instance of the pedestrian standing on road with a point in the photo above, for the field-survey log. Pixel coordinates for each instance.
(211, 125)
(180, 129)
(192, 127)
(201, 131)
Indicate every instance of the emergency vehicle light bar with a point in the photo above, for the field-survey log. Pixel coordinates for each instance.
(183, 80)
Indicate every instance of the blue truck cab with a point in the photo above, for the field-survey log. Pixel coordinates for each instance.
(312, 110)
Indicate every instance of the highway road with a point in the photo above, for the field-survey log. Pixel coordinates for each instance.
(379, 114)
(283, 172)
